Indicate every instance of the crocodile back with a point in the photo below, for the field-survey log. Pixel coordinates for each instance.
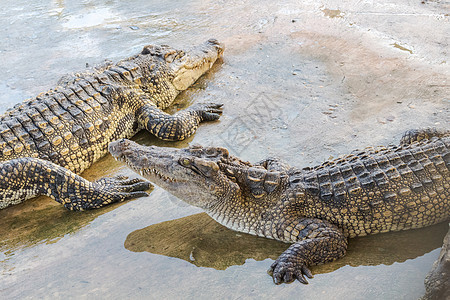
(379, 190)
(70, 125)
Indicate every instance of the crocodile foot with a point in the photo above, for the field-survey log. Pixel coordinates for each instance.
(207, 111)
(287, 269)
(121, 188)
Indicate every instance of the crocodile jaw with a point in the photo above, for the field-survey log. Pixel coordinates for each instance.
(163, 166)
(155, 166)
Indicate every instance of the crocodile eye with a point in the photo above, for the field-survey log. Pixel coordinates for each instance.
(210, 151)
(185, 162)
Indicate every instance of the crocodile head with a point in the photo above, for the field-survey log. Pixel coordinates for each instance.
(189, 66)
(200, 176)
(191, 174)
(179, 69)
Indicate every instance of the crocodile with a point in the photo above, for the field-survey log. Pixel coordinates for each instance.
(437, 281)
(47, 141)
(315, 209)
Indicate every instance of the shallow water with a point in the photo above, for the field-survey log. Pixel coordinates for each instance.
(301, 81)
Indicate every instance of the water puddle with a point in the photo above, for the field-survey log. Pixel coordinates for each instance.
(200, 240)
(98, 17)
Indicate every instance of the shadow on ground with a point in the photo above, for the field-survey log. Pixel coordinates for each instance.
(203, 242)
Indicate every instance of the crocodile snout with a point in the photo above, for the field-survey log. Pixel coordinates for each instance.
(117, 148)
(219, 46)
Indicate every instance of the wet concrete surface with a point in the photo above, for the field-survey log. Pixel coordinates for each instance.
(302, 81)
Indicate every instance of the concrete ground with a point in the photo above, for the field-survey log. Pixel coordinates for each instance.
(304, 81)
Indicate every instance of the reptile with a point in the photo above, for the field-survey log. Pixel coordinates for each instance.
(315, 209)
(47, 141)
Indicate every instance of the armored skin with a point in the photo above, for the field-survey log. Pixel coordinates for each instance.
(46, 141)
(314, 209)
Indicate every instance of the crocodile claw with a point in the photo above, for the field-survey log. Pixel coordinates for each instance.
(284, 270)
(208, 111)
(122, 188)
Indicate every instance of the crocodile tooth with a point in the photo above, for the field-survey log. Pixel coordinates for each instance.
(255, 179)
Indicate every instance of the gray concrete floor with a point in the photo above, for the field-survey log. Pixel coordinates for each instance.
(303, 81)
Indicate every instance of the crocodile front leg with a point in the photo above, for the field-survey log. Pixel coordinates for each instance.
(23, 178)
(180, 125)
(317, 242)
(274, 164)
